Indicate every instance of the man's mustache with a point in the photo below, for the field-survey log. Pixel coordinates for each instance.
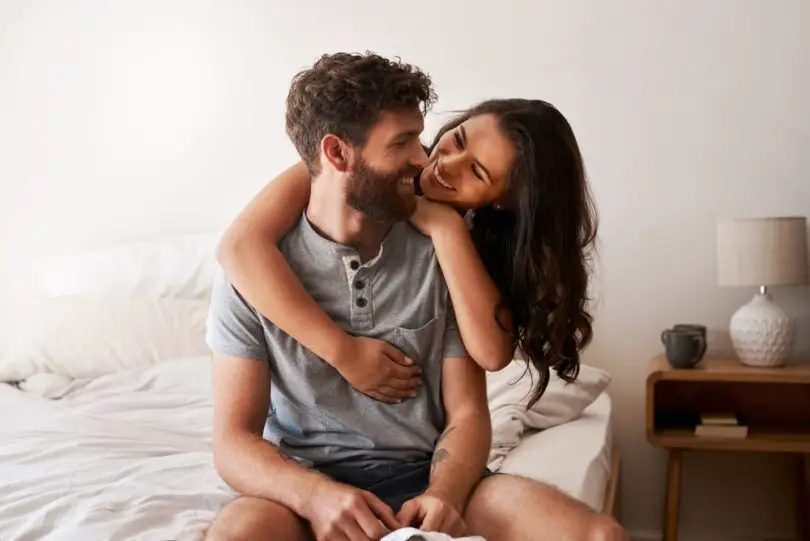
(409, 172)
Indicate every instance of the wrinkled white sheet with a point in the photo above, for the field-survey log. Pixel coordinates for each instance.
(125, 456)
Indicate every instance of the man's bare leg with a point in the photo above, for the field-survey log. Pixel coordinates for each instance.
(256, 519)
(511, 508)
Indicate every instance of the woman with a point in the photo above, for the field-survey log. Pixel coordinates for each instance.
(517, 277)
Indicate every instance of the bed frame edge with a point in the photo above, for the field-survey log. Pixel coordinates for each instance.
(611, 504)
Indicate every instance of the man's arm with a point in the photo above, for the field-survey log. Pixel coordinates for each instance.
(247, 462)
(462, 450)
(255, 467)
(241, 397)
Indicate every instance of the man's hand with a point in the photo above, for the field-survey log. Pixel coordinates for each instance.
(378, 369)
(339, 512)
(430, 513)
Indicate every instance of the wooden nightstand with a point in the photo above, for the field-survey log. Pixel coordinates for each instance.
(773, 402)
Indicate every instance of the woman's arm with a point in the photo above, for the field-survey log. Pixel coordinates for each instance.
(474, 294)
(250, 258)
(249, 255)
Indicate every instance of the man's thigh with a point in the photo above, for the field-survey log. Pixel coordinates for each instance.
(511, 508)
(256, 519)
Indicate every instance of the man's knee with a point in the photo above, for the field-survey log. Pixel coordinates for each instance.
(604, 528)
(254, 519)
(230, 531)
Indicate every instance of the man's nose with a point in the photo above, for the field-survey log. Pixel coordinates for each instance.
(420, 157)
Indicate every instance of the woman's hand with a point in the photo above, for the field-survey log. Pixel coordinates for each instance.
(430, 216)
(378, 369)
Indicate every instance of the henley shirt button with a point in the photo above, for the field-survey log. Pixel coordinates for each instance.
(354, 264)
(361, 302)
(359, 284)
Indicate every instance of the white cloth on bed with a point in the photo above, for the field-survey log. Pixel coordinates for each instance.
(125, 457)
(412, 534)
(508, 393)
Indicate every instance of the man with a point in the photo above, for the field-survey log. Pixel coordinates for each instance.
(310, 455)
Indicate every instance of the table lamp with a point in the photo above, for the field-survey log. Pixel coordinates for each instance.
(762, 252)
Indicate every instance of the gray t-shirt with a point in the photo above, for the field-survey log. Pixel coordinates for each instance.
(401, 297)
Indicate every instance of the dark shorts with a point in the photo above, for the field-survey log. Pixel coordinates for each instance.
(394, 484)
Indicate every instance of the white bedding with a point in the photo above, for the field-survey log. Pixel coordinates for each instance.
(575, 457)
(128, 456)
(125, 456)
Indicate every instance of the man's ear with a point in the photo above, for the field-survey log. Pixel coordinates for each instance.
(336, 152)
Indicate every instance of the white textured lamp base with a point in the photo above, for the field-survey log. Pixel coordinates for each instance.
(761, 332)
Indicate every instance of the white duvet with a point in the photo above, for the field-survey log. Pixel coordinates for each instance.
(125, 456)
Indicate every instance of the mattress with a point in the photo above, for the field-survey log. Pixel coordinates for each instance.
(575, 457)
(128, 456)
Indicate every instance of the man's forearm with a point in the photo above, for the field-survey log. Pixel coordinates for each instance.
(460, 458)
(253, 466)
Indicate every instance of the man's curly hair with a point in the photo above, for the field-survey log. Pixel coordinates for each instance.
(344, 93)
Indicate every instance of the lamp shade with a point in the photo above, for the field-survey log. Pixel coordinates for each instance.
(762, 252)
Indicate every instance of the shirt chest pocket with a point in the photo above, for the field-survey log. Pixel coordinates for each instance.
(423, 344)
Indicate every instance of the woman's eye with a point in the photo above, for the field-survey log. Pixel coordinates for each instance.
(476, 173)
(457, 139)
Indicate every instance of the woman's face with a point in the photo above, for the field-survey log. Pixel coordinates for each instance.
(469, 167)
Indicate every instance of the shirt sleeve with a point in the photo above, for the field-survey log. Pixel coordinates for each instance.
(234, 328)
(453, 345)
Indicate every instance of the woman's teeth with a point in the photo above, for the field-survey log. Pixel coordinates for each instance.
(438, 175)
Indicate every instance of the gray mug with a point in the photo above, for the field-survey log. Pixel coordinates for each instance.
(693, 327)
(684, 347)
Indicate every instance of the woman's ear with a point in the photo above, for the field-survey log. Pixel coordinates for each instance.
(336, 152)
(505, 201)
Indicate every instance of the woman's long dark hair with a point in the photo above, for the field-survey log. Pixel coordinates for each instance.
(538, 248)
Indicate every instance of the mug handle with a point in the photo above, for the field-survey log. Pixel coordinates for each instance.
(703, 344)
(664, 336)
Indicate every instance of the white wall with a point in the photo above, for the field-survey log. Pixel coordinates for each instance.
(127, 120)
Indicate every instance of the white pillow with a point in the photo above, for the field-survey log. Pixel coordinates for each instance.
(561, 402)
(177, 266)
(88, 336)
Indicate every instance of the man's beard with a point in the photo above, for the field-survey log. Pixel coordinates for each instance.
(378, 196)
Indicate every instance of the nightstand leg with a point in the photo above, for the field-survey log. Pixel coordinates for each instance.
(673, 498)
(803, 497)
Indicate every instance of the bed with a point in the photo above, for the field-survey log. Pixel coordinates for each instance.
(577, 457)
(107, 434)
